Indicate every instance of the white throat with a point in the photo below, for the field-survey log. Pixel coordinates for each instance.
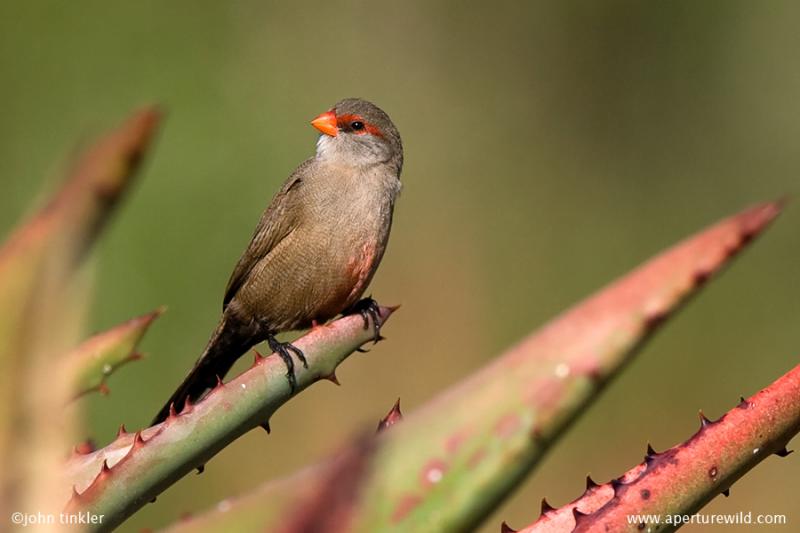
(341, 150)
(325, 146)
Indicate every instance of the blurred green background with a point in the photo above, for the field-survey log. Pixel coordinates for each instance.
(550, 147)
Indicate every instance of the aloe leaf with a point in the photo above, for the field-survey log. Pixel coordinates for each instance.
(680, 481)
(117, 480)
(63, 230)
(446, 466)
(101, 355)
(43, 295)
(328, 505)
(44, 252)
(320, 499)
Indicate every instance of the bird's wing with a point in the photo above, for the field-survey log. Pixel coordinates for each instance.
(278, 221)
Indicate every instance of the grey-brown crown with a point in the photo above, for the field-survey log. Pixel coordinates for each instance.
(377, 117)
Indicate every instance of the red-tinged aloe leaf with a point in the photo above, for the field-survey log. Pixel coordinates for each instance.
(117, 480)
(329, 506)
(449, 464)
(44, 252)
(98, 357)
(681, 480)
(42, 299)
(323, 504)
(66, 226)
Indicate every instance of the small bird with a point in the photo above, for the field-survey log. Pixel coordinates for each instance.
(315, 249)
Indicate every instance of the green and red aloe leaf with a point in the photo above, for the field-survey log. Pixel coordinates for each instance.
(321, 499)
(448, 465)
(329, 504)
(681, 480)
(118, 479)
(43, 295)
(101, 355)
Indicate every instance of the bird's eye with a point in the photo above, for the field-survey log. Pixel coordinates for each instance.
(357, 125)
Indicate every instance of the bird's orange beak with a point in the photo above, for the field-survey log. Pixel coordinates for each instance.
(326, 123)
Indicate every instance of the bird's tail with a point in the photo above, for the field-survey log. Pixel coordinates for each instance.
(227, 344)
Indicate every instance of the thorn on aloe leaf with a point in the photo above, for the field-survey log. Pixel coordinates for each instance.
(704, 421)
(201, 469)
(650, 455)
(138, 441)
(653, 320)
(103, 389)
(726, 492)
(121, 431)
(700, 277)
(743, 404)
(505, 528)
(333, 379)
(590, 483)
(546, 507)
(102, 474)
(219, 383)
(85, 447)
(783, 452)
(578, 515)
(266, 427)
(392, 417)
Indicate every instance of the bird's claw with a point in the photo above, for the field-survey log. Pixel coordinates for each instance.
(364, 350)
(283, 350)
(368, 308)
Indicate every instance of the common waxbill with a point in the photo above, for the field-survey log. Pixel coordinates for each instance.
(315, 248)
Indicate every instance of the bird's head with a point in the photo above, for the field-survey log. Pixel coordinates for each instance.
(358, 132)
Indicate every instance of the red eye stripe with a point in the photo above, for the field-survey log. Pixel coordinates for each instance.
(344, 121)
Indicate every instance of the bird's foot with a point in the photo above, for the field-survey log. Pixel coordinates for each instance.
(283, 349)
(368, 308)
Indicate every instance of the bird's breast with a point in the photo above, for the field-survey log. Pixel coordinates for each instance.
(326, 263)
